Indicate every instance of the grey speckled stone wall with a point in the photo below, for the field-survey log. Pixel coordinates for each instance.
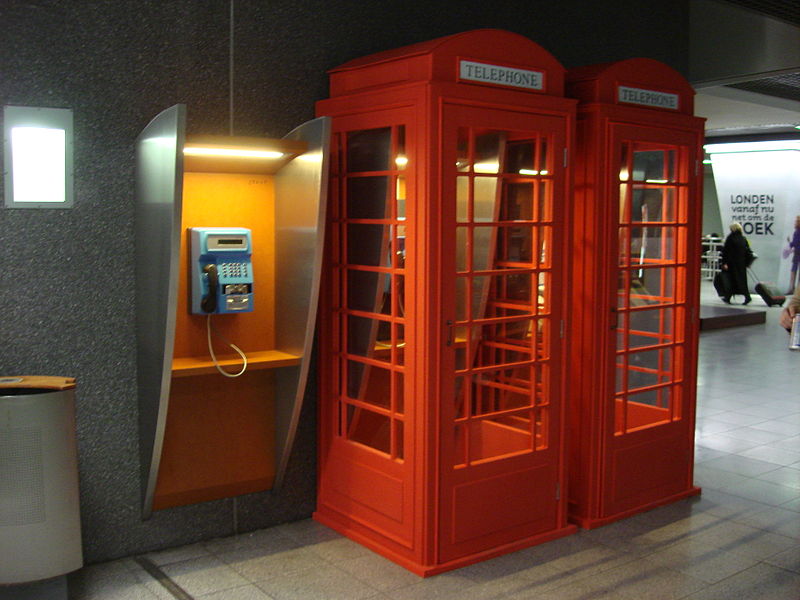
(66, 276)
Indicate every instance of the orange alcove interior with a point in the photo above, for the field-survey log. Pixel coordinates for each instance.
(219, 439)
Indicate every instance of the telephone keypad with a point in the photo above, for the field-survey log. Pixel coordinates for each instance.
(233, 269)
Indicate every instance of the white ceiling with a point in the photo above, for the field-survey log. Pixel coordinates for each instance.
(745, 65)
(737, 112)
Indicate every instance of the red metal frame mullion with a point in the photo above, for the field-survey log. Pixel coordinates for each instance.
(624, 354)
(469, 414)
(340, 295)
(625, 226)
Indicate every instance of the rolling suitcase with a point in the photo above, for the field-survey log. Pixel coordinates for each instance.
(768, 292)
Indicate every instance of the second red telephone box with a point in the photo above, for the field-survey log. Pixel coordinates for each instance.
(636, 273)
(441, 413)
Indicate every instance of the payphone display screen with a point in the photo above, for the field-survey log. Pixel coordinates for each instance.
(224, 242)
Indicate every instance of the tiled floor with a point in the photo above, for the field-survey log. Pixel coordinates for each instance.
(739, 540)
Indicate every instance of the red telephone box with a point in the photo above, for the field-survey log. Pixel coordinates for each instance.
(441, 409)
(635, 294)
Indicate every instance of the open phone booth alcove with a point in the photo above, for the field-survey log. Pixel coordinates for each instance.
(441, 317)
(253, 207)
(635, 296)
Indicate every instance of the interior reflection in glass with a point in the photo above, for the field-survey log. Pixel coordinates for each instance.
(503, 201)
(373, 288)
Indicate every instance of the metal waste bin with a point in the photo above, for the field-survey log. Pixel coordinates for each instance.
(40, 530)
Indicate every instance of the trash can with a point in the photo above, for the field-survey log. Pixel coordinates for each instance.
(40, 531)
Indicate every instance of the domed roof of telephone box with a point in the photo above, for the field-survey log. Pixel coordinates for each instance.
(641, 81)
(481, 56)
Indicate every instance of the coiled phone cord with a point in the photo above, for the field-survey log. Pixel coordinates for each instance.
(214, 356)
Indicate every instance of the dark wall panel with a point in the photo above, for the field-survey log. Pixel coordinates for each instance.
(66, 276)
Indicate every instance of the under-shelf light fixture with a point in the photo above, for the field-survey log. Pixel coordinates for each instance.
(231, 152)
(38, 157)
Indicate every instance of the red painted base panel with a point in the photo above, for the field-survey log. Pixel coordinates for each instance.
(593, 522)
(354, 532)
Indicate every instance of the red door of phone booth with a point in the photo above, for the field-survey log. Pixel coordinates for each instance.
(636, 262)
(441, 413)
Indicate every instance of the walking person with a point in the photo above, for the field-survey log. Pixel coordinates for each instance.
(736, 257)
(794, 248)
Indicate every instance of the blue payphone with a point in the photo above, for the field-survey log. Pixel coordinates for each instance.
(222, 271)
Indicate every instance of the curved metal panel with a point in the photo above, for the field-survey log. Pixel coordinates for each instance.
(159, 184)
(301, 191)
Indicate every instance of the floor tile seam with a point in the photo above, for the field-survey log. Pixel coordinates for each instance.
(705, 583)
(702, 428)
(636, 552)
(373, 592)
(322, 556)
(249, 584)
(760, 563)
(772, 415)
(771, 446)
(763, 407)
(723, 478)
(772, 531)
(220, 546)
(786, 506)
(719, 419)
(734, 546)
(299, 572)
(620, 558)
(787, 405)
(731, 489)
(158, 575)
(794, 487)
(550, 589)
(519, 582)
(762, 448)
(746, 460)
(630, 594)
(771, 564)
(222, 555)
(365, 581)
(283, 573)
(783, 425)
(694, 535)
(788, 437)
(517, 572)
(765, 448)
(172, 563)
(705, 546)
(733, 418)
(618, 595)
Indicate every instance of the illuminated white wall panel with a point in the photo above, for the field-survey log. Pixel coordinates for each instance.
(38, 157)
(758, 185)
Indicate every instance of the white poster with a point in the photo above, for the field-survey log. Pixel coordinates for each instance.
(758, 185)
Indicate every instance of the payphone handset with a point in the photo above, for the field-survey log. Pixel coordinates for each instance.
(221, 270)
